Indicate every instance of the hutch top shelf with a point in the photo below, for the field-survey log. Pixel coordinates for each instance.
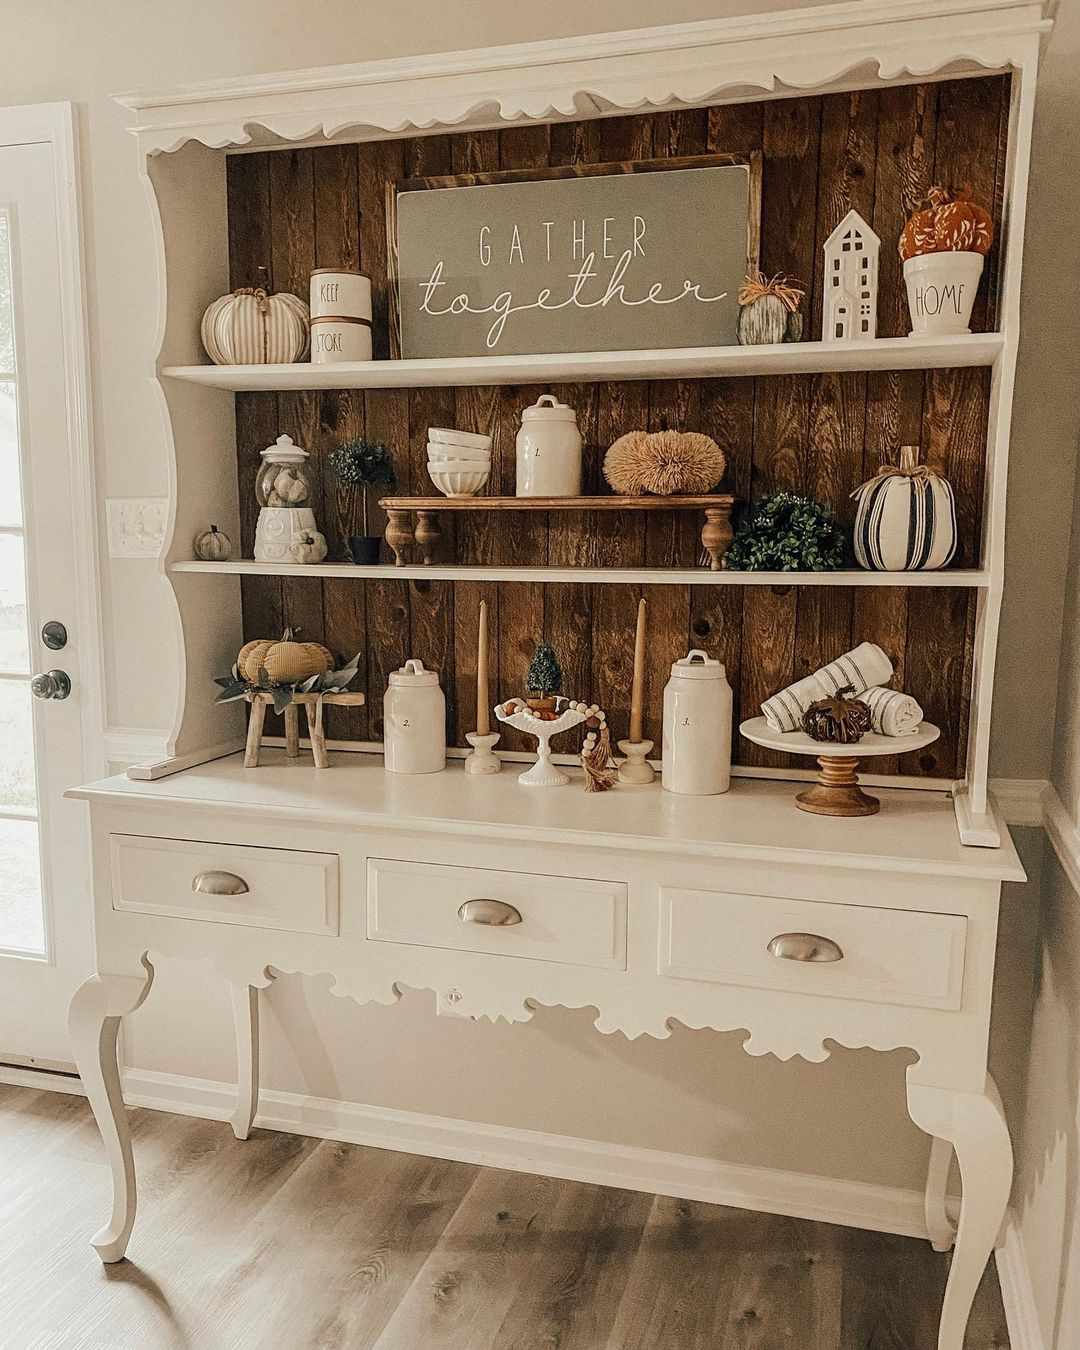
(797, 358)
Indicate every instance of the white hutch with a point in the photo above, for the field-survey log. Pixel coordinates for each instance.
(735, 912)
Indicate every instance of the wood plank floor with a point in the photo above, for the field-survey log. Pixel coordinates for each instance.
(286, 1243)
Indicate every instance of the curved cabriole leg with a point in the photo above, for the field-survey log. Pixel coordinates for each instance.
(938, 1224)
(94, 1016)
(245, 1003)
(974, 1124)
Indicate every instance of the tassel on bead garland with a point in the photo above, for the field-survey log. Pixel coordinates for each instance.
(600, 770)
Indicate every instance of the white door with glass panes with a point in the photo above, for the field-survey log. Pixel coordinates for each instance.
(48, 634)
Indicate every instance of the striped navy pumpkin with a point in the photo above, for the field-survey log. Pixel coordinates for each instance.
(906, 519)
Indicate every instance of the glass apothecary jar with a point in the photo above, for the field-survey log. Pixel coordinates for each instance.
(284, 478)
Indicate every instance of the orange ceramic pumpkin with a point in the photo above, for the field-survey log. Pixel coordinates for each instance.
(285, 661)
(952, 223)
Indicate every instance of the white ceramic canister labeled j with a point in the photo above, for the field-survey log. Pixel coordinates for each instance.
(414, 718)
(697, 727)
(549, 450)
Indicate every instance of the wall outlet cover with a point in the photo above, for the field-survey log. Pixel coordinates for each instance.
(136, 526)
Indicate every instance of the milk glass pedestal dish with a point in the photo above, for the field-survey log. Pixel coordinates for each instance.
(544, 773)
(837, 791)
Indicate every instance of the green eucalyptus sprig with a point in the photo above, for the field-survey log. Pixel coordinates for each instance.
(234, 686)
(787, 533)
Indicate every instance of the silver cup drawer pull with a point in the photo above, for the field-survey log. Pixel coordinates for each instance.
(805, 947)
(219, 883)
(490, 913)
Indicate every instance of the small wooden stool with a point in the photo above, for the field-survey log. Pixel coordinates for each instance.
(313, 703)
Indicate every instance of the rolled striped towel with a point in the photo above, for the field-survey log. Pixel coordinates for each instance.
(892, 713)
(864, 667)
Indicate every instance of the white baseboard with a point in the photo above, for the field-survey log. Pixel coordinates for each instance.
(1017, 1292)
(801, 1195)
(1021, 800)
(134, 745)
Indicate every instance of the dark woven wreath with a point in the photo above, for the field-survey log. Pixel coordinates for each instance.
(838, 720)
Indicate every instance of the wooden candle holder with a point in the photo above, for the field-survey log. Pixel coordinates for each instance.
(401, 532)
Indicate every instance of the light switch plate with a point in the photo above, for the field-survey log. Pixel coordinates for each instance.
(136, 526)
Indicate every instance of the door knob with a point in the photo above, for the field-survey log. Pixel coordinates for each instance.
(51, 684)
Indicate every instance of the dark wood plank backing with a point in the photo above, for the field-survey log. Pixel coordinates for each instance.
(293, 210)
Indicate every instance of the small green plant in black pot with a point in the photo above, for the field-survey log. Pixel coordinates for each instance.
(363, 464)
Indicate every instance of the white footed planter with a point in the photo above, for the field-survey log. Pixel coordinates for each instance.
(941, 291)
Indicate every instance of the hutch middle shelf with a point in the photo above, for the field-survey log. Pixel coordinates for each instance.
(968, 578)
(789, 358)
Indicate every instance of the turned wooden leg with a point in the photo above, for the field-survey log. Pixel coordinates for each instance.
(428, 534)
(938, 1224)
(316, 734)
(245, 1004)
(292, 731)
(974, 1124)
(716, 535)
(837, 791)
(94, 1016)
(399, 534)
(256, 718)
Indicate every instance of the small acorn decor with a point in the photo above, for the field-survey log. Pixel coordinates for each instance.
(838, 719)
(769, 310)
(543, 681)
(664, 463)
(787, 533)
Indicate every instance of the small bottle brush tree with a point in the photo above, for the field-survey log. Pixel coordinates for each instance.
(787, 533)
(544, 678)
(363, 464)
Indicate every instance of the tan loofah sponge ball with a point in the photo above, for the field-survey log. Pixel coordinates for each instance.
(664, 463)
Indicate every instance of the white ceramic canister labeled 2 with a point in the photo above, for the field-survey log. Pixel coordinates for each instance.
(549, 450)
(697, 727)
(414, 721)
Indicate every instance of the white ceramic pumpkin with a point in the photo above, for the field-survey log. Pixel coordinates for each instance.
(213, 545)
(905, 520)
(311, 547)
(251, 328)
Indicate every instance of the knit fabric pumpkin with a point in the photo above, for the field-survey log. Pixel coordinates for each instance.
(951, 223)
(284, 660)
(664, 463)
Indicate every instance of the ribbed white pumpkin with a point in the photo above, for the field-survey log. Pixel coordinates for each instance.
(906, 518)
(250, 328)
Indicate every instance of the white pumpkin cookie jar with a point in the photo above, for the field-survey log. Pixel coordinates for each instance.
(286, 521)
(549, 450)
(414, 721)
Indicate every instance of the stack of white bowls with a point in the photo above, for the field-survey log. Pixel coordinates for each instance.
(459, 462)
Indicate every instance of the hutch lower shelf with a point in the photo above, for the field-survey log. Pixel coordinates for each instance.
(650, 908)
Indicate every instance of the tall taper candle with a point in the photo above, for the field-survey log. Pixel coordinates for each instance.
(637, 695)
(483, 711)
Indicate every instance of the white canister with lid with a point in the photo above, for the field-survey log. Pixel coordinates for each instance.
(697, 727)
(337, 340)
(414, 717)
(549, 450)
(340, 293)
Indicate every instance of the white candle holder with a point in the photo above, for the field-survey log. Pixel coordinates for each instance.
(483, 758)
(544, 773)
(636, 771)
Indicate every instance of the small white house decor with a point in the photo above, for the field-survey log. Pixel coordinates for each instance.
(849, 302)
(906, 518)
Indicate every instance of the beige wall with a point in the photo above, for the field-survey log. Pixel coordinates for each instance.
(696, 1093)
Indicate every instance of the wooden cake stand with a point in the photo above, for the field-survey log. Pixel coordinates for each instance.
(837, 791)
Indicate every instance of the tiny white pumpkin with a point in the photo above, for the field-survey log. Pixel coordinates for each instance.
(311, 547)
(213, 545)
(251, 328)
(905, 520)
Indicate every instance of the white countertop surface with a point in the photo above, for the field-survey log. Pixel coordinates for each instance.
(915, 831)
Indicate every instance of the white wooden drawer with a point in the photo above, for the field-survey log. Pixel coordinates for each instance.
(889, 955)
(289, 890)
(564, 919)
